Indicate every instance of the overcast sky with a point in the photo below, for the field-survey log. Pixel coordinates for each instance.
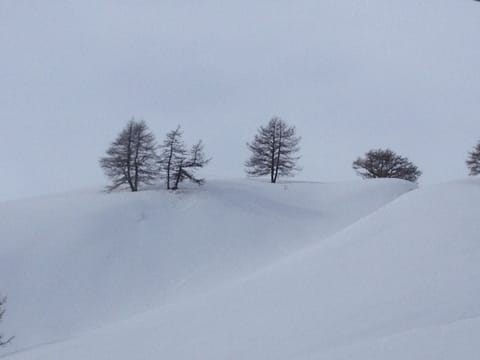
(350, 75)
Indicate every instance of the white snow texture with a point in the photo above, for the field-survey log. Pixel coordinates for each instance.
(245, 270)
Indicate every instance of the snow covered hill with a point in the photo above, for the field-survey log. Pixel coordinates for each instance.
(77, 261)
(245, 270)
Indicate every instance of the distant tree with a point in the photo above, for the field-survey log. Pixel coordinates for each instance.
(274, 150)
(178, 164)
(131, 159)
(385, 164)
(473, 161)
(3, 339)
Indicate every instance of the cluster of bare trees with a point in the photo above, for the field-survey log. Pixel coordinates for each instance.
(385, 163)
(275, 147)
(134, 159)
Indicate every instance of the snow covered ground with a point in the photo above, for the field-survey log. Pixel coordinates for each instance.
(245, 270)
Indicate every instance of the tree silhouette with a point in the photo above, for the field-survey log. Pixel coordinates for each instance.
(3, 340)
(178, 164)
(385, 164)
(131, 159)
(274, 150)
(473, 161)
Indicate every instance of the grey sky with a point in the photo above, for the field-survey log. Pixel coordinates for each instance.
(351, 75)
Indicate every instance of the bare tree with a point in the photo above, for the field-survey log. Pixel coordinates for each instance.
(385, 164)
(131, 159)
(177, 164)
(186, 168)
(173, 152)
(473, 161)
(3, 339)
(274, 150)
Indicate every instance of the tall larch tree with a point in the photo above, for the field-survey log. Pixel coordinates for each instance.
(177, 163)
(274, 151)
(172, 153)
(131, 160)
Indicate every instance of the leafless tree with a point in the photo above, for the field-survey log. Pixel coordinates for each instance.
(3, 340)
(186, 168)
(386, 164)
(178, 164)
(173, 151)
(131, 159)
(274, 150)
(473, 161)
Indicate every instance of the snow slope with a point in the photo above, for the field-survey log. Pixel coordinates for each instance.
(400, 283)
(73, 262)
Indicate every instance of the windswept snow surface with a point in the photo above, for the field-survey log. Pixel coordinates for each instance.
(400, 283)
(74, 262)
(266, 272)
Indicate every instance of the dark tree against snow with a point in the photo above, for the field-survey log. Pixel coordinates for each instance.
(386, 164)
(274, 151)
(131, 160)
(3, 339)
(186, 168)
(473, 161)
(173, 151)
(177, 163)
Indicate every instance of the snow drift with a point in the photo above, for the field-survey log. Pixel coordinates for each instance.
(402, 282)
(77, 261)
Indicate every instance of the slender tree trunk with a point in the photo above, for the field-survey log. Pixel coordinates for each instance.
(130, 184)
(129, 159)
(169, 165)
(135, 182)
(277, 165)
(177, 178)
(272, 165)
